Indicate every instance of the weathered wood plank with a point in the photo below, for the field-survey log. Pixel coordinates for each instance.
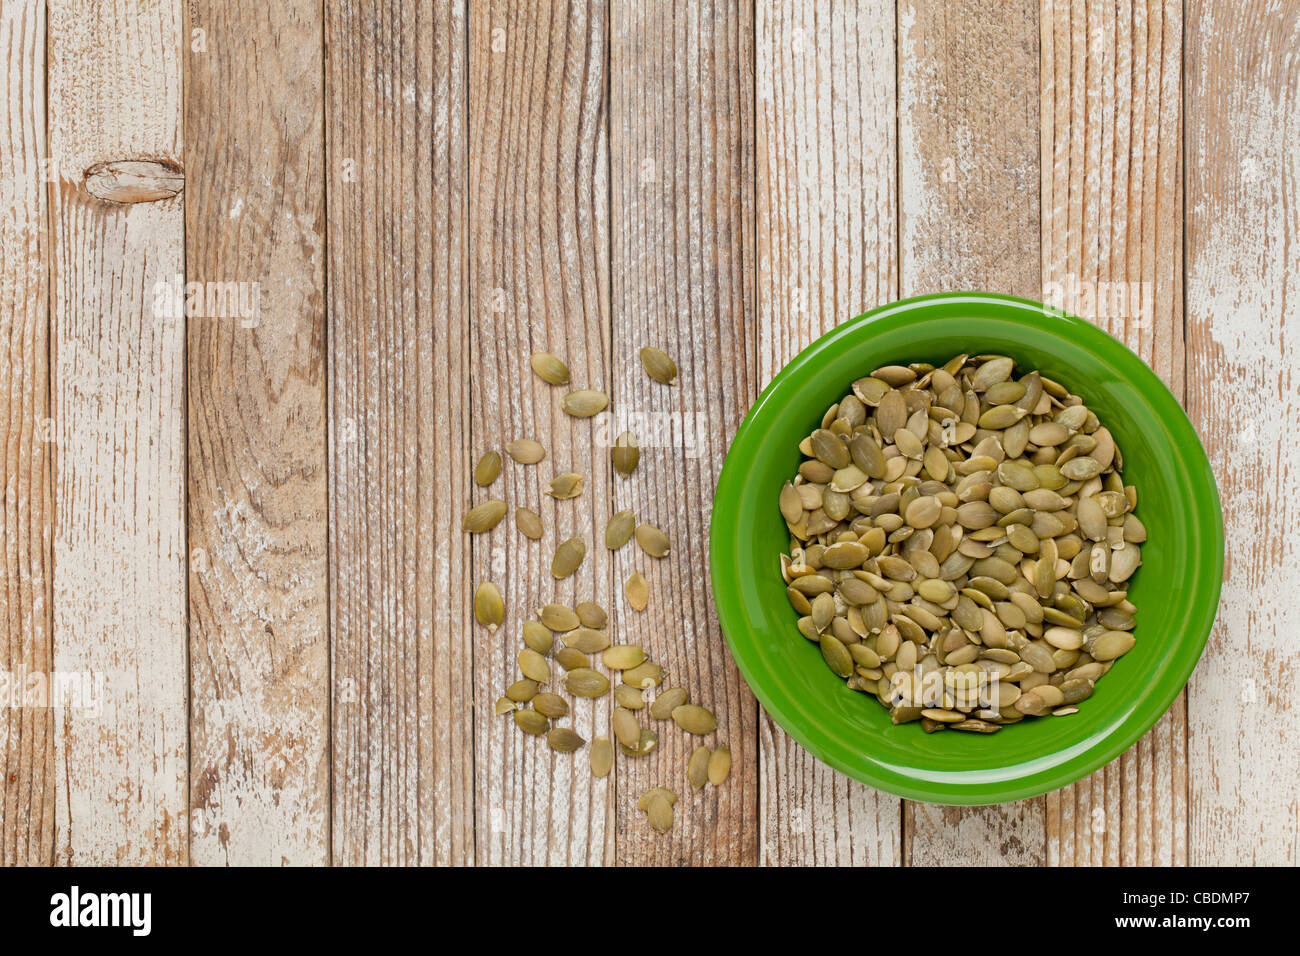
(682, 127)
(403, 717)
(539, 281)
(1112, 253)
(27, 792)
(969, 184)
(1242, 89)
(258, 494)
(827, 251)
(118, 410)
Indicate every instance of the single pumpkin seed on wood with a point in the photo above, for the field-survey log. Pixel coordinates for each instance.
(487, 469)
(586, 640)
(568, 558)
(695, 719)
(557, 617)
(483, 517)
(538, 636)
(505, 705)
(551, 370)
(601, 756)
(584, 403)
(585, 682)
(637, 590)
(564, 740)
(525, 451)
(652, 541)
(531, 722)
(566, 486)
(628, 697)
(622, 657)
(659, 366)
(663, 705)
(626, 729)
(719, 765)
(591, 615)
(571, 658)
(657, 804)
(522, 691)
(644, 675)
(529, 523)
(533, 666)
(625, 454)
(697, 769)
(489, 608)
(550, 705)
(619, 530)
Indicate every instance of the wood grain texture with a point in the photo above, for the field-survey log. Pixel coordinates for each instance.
(118, 409)
(539, 281)
(1112, 253)
(400, 598)
(1242, 88)
(257, 438)
(827, 251)
(968, 198)
(682, 120)
(26, 733)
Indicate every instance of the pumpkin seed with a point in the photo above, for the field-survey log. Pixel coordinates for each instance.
(487, 469)
(568, 557)
(571, 659)
(648, 741)
(663, 705)
(645, 675)
(551, 370)
(564, 740)
(585, 682)
(551, 705)
(525, 451)
(531, 722)
(659, 366)
(538, 637)
(626, 730)
(566, 486)
(625, 454)
(601, 756)
(697, 770)
(557, 617)
(489, 608)
(586, 640)
(591, 615)
(628, 697)
(618, 531)
(694, 719)
(637, 591)
(522, 691)
(719, 766)
(533, 666)
(584, 403)
(622, 657)
(652, 541)
(483, 517)
(529, 523)
(505, 705)
(658, 808)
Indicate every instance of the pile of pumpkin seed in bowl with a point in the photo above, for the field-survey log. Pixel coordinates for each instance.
(961, 544)
(541, 698)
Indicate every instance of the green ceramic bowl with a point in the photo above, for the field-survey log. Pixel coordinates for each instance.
(1176, 590)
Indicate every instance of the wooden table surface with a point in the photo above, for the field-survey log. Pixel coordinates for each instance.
(237, 535)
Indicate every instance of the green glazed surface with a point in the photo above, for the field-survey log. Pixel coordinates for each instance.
(1176, 590)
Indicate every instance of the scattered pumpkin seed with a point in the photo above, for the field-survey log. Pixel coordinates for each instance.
(525, 451)
(586, 640)
(657, 804)
(568, 557)
(529, 523)
(618, 531)
(550, 368)
(522, 691)
(566, 486)
(625, 454)
(533, 666)
(483, 517)
(550, 705)
(584, 403)
(601, 756)
(637, 590)
(659, 366)
(592, 615)
(719, 766)
(645, 675)
(538, 636)
(697, 769)
(629, 697)
(489, 608)
(694, 719)
(648, 741)
(564, 740)
(557, 617)
(626, 729)
(652, 541)
(622, 657)
(487, 469)
(585, 682)
(663, 705)
(531, 722)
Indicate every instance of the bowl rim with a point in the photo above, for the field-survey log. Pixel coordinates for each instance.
(722, 564)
